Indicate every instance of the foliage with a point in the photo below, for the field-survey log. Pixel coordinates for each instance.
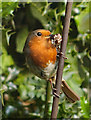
(85, 108)
(24, 94)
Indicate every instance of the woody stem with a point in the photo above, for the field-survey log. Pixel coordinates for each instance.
(61, 59)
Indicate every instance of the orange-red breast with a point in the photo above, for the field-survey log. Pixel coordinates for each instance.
(41, 55)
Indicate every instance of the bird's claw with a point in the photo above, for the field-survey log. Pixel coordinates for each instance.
(61, 53)
(54, 92)
(56, 95)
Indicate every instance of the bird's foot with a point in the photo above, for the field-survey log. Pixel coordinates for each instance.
(54, 89)
(61, 53)
(54, 92)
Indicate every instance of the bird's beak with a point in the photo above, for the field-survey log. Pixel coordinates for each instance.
(47, 37)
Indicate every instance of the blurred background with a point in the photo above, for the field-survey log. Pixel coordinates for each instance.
(22, 94)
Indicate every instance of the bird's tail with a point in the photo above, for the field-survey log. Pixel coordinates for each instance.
(71, 95)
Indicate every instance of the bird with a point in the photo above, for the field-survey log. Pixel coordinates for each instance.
(41, 52)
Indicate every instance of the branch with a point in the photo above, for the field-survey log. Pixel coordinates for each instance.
(61, 60)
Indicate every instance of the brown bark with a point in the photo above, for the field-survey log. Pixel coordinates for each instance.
(61, 60)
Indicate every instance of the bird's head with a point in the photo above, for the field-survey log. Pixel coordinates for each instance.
(39, 37)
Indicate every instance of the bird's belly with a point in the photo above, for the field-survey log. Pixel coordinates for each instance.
(44, 73)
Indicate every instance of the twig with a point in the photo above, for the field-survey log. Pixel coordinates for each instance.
(61, 60)
(47, 102)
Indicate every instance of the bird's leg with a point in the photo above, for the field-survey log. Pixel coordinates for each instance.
(60, 53)
(54, 89)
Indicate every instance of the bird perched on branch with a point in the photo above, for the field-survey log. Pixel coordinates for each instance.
(41, 52)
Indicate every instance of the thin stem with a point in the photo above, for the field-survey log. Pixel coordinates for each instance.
(47, 102)
(61, 60)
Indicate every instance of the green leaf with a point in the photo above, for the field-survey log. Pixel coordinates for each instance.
(8, 8)
(85, 107)
(1, 92)
(36, 11)
(9, 35)
(83, 19)
(6, 60)
(21, 38)
(71, 73)
(23, 91)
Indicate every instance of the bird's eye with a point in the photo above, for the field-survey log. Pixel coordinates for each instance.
(39, 33)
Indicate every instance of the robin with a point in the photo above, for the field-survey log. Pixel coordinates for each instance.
(41, 52)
